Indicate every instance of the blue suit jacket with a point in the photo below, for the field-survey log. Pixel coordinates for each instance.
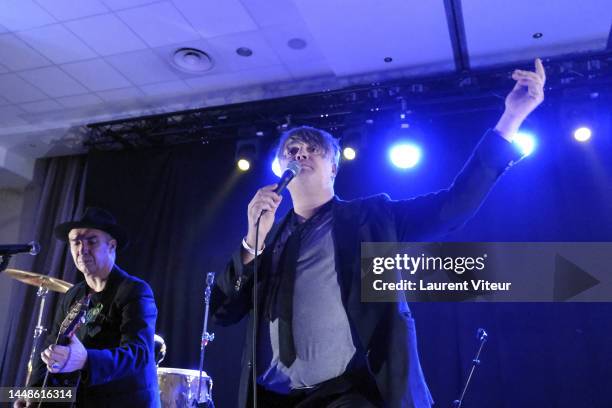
(385, 332)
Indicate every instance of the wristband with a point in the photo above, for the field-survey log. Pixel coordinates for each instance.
(251, 250)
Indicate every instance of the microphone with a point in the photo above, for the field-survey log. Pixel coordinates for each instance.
(32, 248)
(292, 170)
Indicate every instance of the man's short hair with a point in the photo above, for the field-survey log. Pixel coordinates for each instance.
(312, 137)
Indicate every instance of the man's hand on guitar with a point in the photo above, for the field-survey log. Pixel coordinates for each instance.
(65, 359)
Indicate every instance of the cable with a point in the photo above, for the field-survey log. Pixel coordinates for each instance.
(255, 316)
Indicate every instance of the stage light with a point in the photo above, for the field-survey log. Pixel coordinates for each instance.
(405, 155)
(244, 164)
(582, 134)
(349, 153)
(246, 154)
(525, 143)
(276, 168)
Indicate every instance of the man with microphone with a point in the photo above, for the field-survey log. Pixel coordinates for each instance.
(317, 344)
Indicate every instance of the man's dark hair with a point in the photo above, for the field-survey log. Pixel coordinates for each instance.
(312, 137)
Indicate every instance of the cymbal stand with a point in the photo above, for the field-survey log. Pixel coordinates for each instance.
(39, 330)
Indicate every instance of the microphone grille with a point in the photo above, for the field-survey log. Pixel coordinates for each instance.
(294, 167)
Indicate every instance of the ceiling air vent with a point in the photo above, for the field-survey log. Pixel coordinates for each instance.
(191, 60)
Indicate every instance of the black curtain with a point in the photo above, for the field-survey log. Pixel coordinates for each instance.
(55, 195)
(185, 210)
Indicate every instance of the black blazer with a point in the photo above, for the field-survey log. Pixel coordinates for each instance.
(385, 332)
(120, 369)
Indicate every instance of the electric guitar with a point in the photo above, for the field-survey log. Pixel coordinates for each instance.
(70, 325)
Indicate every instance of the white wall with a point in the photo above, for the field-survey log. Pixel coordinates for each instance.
(11, 203)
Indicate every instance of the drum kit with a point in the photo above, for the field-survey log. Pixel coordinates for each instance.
(178, 387)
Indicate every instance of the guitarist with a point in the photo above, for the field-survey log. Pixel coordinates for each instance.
(111, 357)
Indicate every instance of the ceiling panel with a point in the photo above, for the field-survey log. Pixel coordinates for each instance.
(16, 90)
(18, 55)
(53, 81)
(94, 31)
(278, 37)
(143, 67)
(356, 37)
(96, 75)
(76, 101)
(57, 43)
(159, 24)
(166, 88)
(309, 69)
(121, 94)
(71, 9)
(10, 116)
(40, 106)
(506, 34)
(272, 12)
(232, 80)
(23, 14)
(210, 18)
(263, 55)
(123, 4)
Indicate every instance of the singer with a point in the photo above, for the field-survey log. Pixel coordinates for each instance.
(318, 345)
(111, 356)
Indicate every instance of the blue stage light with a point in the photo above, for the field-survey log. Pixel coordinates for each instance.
(525, 143)
(405, 155)
(583, 134)
(276, 168)
(349, 153)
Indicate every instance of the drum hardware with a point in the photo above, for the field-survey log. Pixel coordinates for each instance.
(45, 284)
(205, 339)
(178, 387)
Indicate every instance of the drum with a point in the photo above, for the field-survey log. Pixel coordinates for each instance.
(178, 387)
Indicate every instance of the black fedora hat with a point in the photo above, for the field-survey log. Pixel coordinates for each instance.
(96, 218)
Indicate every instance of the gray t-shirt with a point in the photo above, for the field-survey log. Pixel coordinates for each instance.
(321, 331)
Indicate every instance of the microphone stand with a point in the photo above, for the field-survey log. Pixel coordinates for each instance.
(481, 335)
(205, 339)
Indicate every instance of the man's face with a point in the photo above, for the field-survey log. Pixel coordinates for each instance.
(317, 168)
(93, 251)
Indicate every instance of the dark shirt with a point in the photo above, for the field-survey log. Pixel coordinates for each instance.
(321, 331)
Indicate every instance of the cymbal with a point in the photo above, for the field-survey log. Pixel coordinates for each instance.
(36, 279)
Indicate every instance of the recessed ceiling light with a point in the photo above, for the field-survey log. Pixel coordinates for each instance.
(244, 52)
(191, 60)
(296, 44)
(537, 35)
